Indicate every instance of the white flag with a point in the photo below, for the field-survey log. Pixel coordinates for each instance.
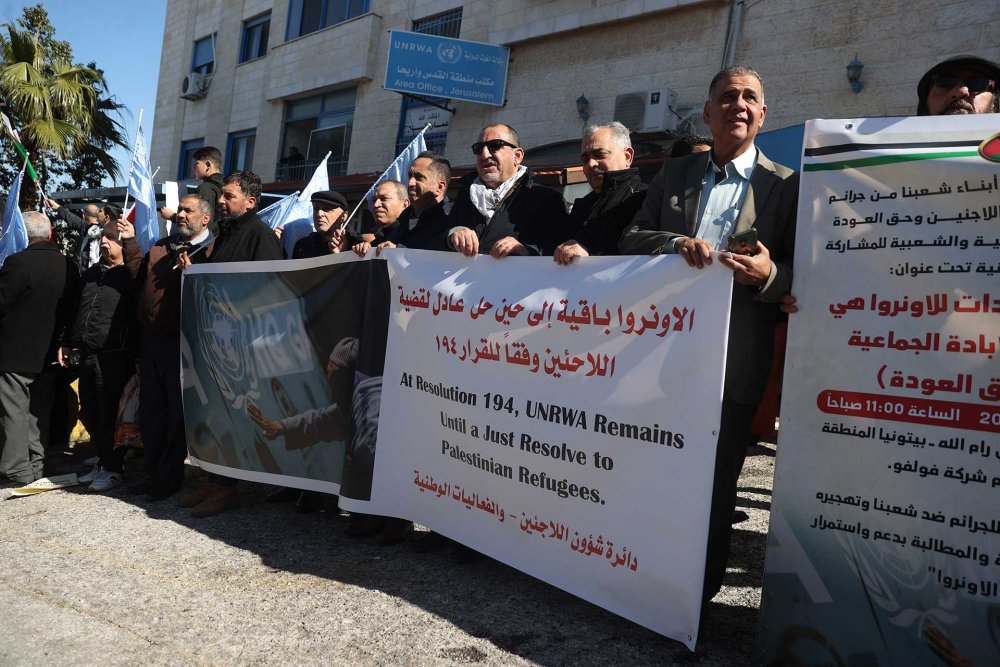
(140, 187)
(399, 170)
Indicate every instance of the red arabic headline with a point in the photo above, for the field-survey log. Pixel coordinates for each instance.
(929, 342)
(543, 529)
(518, 354)
(961, 384)
(678, 319)
(913, 410)
(923, 306)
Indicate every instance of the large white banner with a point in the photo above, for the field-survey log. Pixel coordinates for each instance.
(884, 545)
(560, 419)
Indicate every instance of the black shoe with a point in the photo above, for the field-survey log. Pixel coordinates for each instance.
(283, 495)
(158, 493)
(463, 555)
(429, 542)
(371, 525)
(145, 486)
(309, 502)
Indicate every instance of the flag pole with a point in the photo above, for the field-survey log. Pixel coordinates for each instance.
(138, 127)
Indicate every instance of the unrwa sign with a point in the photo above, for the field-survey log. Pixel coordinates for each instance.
(444, 67)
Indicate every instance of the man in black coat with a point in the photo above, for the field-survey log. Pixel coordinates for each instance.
(599, 218)
(37, 286)
(330, 237)
(500, 210)
(206, 164)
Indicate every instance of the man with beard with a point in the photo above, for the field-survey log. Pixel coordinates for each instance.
(500, 210)
(960, 85)
(329, 214)
(243, 237)
(598, 219)
(159, 309)
(104, 335)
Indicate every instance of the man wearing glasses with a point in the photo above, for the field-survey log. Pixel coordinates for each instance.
(500, 210)
(960, 85)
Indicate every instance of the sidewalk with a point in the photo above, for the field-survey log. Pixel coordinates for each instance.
(105, 579)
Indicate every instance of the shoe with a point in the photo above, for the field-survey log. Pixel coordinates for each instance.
(89, 477)
(225, 498)
(309, 502)
(141, 488)
(198, 496)
(92, 461)
(430, 542)
(283, 495)
(739, 516)
(369, 526)
(45, 484)
(395, 532)
(105, 481)
(158, 493)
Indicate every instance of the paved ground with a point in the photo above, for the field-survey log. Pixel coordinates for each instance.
(91, 579)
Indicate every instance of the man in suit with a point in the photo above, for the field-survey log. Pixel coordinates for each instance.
(37, 287)
(692, 207)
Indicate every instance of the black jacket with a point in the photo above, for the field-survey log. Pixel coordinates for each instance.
(531, 213)
(599, 218)
(246, 239)
(105, 312)
(81, 226)
(429, 233)
(37, 287)
(211, 189)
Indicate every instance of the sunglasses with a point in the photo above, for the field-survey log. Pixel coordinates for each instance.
(493, 146)
(975, 83)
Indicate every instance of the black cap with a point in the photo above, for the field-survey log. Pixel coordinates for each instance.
(987, 67)
(330, 197)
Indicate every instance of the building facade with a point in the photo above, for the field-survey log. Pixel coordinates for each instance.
(257, 78)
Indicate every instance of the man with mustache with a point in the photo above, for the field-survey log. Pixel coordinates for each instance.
(959, 85)
(500, 210)
(598, 219)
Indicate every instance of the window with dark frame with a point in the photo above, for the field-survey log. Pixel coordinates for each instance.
(314, 126)
(203, 59)
(253, 45)
(186, 160)
(306, 16)
(239, 151)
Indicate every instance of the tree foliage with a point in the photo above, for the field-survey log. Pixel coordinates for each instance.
(67, 119)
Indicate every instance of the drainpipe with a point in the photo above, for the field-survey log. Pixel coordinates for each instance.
(732, 32)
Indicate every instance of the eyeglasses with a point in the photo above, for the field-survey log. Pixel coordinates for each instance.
(493, 146)
(975, 83)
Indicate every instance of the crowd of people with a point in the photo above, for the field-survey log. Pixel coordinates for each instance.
(109, 309)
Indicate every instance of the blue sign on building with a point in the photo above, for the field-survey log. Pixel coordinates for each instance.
(443, 67)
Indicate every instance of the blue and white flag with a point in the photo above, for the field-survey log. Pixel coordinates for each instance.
(277, 213)
(140, 186)
(15, 236)
(399, 170)
(297, 220)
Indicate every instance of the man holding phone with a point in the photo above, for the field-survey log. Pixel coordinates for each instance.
(694, 206)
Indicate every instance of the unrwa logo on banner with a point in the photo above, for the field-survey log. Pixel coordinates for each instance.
(225, 345)
(279, 340)
(449, 53)
(990, 149)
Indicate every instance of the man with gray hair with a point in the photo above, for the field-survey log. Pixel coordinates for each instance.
(37, 287)
(598, 219)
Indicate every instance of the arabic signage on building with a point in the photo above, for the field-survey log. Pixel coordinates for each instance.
(456, 69)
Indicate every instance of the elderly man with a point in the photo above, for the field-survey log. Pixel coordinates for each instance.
(960, 85)
(693, 205)
(103, 337)
(329, 214)
(389, 202)
(500, 210)
(424, 224)
(37, 287)
(598, 219)
(159, 309)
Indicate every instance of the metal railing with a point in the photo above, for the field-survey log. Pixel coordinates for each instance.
(302, 170)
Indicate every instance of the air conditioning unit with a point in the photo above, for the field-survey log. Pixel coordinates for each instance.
(647, 111)
(195, 86)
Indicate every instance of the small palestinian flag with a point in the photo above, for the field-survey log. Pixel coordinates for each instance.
(990, 149)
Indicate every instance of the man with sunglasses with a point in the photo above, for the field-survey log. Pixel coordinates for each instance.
(959, 85)
(500, 210)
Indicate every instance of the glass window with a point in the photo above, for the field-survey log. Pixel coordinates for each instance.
(306, 16)
(239, 152)
(203, 60)
(254, 42)
(184, 165)
(316, 126)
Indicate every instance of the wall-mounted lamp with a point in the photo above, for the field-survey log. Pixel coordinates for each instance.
(854, 73)
(583, 108)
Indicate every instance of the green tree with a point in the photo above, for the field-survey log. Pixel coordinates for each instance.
(64, 113)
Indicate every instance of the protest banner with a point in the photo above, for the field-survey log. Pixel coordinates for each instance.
(560, 419)
(884, 543)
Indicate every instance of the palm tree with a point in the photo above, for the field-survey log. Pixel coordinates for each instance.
(62, 109)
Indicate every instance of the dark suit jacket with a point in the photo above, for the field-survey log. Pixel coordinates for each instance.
(671, 210)
(37, 289)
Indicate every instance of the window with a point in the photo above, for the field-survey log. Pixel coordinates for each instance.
(306, 16)
(239, 151)
(315, 126)
(414, 113)
(254, 42)
(184, 171)
(203, 60)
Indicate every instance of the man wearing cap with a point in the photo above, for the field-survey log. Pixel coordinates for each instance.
(329, 214)
(959, 85)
